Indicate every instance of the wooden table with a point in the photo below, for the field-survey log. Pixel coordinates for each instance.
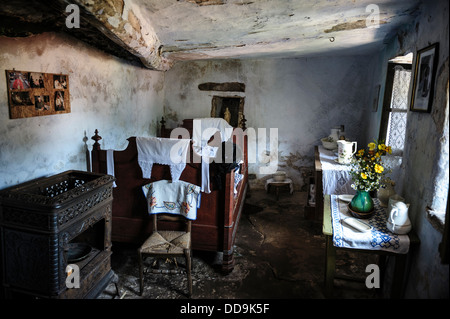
(319, 186)
(330, 260)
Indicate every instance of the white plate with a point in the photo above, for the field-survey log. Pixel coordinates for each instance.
(346, 198)
(357, 224)
(337, 161)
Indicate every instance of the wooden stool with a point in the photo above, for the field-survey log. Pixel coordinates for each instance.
(279, 184)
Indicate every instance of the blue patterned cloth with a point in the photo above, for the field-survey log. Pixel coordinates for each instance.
(378, 238)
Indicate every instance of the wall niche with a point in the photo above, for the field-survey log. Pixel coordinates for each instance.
(220, 104)
(235, 106)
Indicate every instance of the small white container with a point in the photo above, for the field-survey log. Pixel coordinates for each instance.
(279, 176)
(327, 144)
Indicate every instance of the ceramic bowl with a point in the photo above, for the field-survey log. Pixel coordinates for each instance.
(396, 229)
(279, 176)
(327, 144)
(358, 214)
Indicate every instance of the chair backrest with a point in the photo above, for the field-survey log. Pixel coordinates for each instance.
(171, 218)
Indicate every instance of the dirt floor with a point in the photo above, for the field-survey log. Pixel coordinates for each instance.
(278, 255)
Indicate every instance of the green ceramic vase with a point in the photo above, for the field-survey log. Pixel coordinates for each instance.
(362, 202)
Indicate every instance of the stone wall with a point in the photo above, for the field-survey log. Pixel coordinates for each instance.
(106, 93)
(425, 160)
(302, 98)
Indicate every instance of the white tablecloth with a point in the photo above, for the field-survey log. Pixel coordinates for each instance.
(336, 177)
(378, 238)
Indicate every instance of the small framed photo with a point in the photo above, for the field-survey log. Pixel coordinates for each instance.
(424, 77)
(18, 80)
(36, 80)
(59, 101)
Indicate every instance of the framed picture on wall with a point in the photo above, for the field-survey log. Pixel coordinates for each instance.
(36, 93)
(424, 78)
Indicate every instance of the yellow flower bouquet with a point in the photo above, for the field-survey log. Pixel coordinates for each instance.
(368, 168)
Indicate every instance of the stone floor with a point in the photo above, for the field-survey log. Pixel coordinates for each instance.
(278, 255)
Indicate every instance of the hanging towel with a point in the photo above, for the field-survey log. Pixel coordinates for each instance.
(171, 197)
(165, 151)
(110, 164)
(203, 130)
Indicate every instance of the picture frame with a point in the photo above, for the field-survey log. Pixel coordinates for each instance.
(424, 78)
(33, 94)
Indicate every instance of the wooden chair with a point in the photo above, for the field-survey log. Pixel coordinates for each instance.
(167, 244)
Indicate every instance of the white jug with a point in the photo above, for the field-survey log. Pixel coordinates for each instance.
(346, 151)
(398, 221)
(393, 199)
(335, 133)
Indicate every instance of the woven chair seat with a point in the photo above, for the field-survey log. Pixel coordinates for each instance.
(167, 242)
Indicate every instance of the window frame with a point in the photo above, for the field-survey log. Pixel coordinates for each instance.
(388, 89)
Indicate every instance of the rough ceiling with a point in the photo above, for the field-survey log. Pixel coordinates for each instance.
(157, 33)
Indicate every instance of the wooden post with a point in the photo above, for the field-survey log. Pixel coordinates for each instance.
(95, 149)
(228, 260)
(330, 266)
(162, 130)
(319, 186)
(96, 138)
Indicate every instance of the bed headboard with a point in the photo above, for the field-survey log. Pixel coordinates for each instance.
(218, 216)
(128, 171)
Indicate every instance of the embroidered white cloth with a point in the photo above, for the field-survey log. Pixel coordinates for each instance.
(378, 238)
(165, 151)
(110, 164)
(238, 177)
(336, 178)
(173, 197)
(203, 130)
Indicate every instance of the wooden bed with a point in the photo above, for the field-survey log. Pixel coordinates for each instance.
(217, 218)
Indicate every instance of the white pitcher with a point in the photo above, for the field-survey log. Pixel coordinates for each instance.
(393, 199)
(346, 151)
(398, 220)
(335, 133)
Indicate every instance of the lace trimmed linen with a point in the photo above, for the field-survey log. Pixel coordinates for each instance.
(110, 164)
(203, 130)
(164, 151)
(336, 178)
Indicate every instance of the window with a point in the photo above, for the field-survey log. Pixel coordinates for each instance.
(395, 106)
(395, 112)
